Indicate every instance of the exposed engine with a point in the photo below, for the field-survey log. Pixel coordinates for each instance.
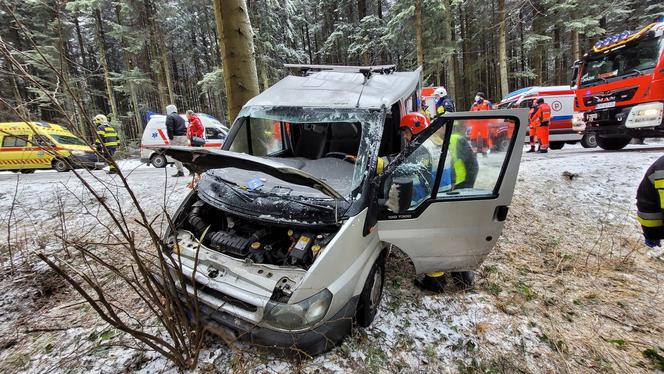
(253, 240)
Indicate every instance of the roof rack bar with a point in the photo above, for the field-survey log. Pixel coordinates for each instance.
(366, 70)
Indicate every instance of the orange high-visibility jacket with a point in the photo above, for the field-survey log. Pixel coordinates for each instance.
(545, 110)
(534, 117)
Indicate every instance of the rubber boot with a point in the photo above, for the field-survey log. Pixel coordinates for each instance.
(531, 150)
(178, 174)
(433, 284)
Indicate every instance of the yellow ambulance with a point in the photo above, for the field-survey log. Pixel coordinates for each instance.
(26, 147)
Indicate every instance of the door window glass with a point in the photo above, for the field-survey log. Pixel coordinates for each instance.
(214, 133)
(13, 141)
(417, 171)
(475, 157)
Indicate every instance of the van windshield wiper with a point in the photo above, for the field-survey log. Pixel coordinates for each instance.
(232, 187)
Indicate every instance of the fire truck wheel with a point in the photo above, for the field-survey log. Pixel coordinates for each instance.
(557, 145)
(589, 141)
(612, 144)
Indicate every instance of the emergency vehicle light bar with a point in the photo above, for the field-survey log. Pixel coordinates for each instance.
(366, 70)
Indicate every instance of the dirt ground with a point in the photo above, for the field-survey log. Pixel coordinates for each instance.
(569, 288)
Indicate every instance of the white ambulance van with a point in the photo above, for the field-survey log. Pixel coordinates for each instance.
(155, 136)
(561, 101)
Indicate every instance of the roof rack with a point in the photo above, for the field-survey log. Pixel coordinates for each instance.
(365, 70)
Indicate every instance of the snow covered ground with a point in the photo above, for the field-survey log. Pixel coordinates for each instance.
(569, 287)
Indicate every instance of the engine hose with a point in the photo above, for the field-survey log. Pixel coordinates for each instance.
(195, 218)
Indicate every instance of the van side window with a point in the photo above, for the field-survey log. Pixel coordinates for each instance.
(13, 142)
(41, 141)
(214, 133)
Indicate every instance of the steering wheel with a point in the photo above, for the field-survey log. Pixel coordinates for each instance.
(339, 155)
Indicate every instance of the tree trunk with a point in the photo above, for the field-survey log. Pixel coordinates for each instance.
(237, 53)
(418, 33)
(575, 45)
(101, 46)
(502, 49)
(133, 96)
(450, 48)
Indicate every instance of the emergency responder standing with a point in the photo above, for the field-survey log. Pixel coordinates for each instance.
(464, 160)
(479, 129)
(444, 103)
(176, 129)
(107, 141)
(650, 204)
(533, 124)
(543, 129)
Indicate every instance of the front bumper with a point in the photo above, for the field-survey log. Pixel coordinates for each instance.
(88, 161)
(326, 336)
(611, 123)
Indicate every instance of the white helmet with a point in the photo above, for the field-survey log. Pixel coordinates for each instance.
(440, 91)
(100, 119)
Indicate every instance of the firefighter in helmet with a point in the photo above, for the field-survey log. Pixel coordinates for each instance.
(107, 141)
(650, 204)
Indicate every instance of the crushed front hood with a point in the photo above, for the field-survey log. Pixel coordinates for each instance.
(201, 159)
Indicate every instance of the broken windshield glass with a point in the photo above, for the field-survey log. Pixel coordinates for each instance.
(333, 145)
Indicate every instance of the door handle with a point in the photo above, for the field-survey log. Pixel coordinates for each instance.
(500, 214)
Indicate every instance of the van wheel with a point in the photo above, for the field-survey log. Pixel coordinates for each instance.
(589, 140)
(504, 144)
(158, 161)
(612, 144)
(60, 165)
(372, 293)
(556, 145)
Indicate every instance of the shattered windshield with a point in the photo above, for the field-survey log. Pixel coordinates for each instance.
(632, 59)
(332, 145)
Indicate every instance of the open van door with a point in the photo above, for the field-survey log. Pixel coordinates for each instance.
(447, 205)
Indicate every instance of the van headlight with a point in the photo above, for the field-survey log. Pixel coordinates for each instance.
(298, 316)
(578, 124)
(79, 153)
(645, 115)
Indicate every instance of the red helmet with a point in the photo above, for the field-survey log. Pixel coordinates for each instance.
(414, 121)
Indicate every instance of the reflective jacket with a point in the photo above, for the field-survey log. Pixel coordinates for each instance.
(484, 105)
(464, 161)
(108, 135)
(534, 117)
(444, 104)
(545, 113)
(650, 201)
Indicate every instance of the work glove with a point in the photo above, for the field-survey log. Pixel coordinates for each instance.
(652, 243)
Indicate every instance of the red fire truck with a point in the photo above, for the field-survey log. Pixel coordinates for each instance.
(620, 88)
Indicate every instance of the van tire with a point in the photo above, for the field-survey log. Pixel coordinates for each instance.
(612, 144)
(372, 293)
(60, 165)
(556, 145)
(503, 143)
(158, 161)
(589, 140)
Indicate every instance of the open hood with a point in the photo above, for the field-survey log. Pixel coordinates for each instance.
(200, 160)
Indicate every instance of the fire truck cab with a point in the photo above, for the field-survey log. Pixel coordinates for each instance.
(620, 88)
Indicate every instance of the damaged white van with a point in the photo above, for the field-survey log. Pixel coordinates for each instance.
(291, 219)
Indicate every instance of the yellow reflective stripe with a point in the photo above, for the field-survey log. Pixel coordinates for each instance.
(436, 274)
(650, 222)
(659, 183)
(661, 198)
(380, 165)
